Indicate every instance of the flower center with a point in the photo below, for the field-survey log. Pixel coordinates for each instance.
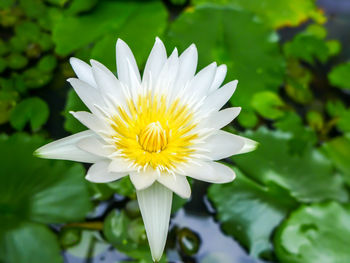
(153, 138)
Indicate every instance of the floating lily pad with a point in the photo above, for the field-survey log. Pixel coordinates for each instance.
(254, 59)
(308, 176)
(339, 76)
(250, 212)
(277, 13)
(315, 233)
(35, 192)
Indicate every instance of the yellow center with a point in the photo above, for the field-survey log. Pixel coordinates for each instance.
(151, 132)
(153, 138)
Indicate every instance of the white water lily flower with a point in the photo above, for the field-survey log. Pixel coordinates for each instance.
(157, 129)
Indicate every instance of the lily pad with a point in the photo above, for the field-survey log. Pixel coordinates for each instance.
(338, 150)
(268, 104)
(35, 192)
(33, 110)
(339, 76)
(277, 13)
(254, 59)
(308, 176)
(250, 212)
(318, 233)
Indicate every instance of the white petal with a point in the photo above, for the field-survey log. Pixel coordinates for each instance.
(223, 144)
(108, 83)
(211, 172)
(155, 61)
(91, 121)
(167, 76)
(142, 180)
(95, 146)
(124, 54)
(155, 205)
(66, 149)
(83, 71)
(89, 95)
(98, 173)
(201, 83)
(177, 184)
(120, 165)
(187, 66)
(219, 77)
(249, 145)
(218, 98)
(220, 119)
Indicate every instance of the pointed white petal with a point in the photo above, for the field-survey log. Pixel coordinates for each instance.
(177, 184)
(223, 144)
(108, 83)
(98, 173)
(187, 66)
(120, 165)
(95, 146)
(219, 77)
(124, 54)
(66, 149)
(211, 172)
(249, 145)
(155, 205)
(155, 61)
(167, 76)
(218, 98)
(89, 95)
(83, 71)
(142, 180)
(220, 119)
(201, 83)
(91, 121)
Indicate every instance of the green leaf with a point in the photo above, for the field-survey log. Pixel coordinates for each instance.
(7, 103)
(340, 113)
(136, 22)
(29, 242)
(339, 76)
(36, 191)
(338, 150)
(251, 51)
(309, 176)
(47, 63)
(315, 233)
(315, 120)
(120, 231)
(33, 110)
(308, 48)
(277, 13)
(268, 104)
(250, 212)
(79, 6)
(16, 61)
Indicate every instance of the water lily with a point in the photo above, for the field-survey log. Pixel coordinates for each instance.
(157, 129)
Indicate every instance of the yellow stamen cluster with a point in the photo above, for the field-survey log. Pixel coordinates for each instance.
(154, 133)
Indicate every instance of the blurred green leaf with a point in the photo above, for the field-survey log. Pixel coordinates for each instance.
(309, 176)
(3, 47)
(298, 81)
(35, 191)
(277, 13)
(308, 48)
(33, 110)
(33, 8)
(315, 120)
(7, 103)
(340, 113)
(34, 78)
(302, 137)
(29, 242)
(78, 6)
(247, 118)
(57, 2)
(123, 187)
(315, 233)
(28, 30)
(339, 76)
(47, 63)
(338, 150)
(250, 212)
(16, 61)
(3, 64)
(268, 104)
(334, 47)
(108, 21)
(122, 232)
(251, 51)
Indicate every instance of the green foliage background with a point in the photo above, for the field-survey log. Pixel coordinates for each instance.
(290, 201)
